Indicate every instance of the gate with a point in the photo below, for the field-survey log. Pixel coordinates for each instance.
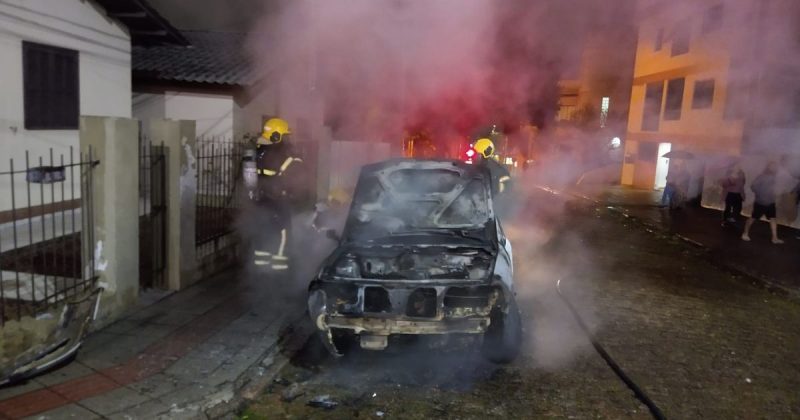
(152, 215)
(219, 172)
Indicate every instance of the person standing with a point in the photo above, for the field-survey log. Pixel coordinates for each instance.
(278, 184)
(764, 189)
(669, 190)
(733, 194)
(682, 179)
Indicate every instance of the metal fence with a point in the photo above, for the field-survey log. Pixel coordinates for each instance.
(46, 232)
(219, 172)
(152, 214)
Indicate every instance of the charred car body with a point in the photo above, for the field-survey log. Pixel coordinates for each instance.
(421, 253)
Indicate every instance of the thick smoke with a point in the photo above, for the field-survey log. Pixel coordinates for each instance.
(381, 69)
(451, 66)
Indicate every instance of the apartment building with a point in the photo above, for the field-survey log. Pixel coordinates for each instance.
(717, 78)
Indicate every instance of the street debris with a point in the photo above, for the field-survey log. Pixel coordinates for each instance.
(323, 401)
(292, 392)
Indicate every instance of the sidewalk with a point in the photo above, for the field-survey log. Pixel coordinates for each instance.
(776, 265)
(180, 357)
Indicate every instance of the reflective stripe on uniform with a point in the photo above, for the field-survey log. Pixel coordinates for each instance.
(286, 163)
(262, 254)
(279, 258)
(261, 262)
(504, 178)
(280, 266)
(267, 172)
(283, 243)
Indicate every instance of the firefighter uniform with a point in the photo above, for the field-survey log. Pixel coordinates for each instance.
(277, 177)
(500, 175)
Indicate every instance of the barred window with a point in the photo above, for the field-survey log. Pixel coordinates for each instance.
(51, 87)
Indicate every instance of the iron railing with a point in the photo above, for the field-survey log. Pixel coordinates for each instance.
(46, 233)
(219, 171)
(152, 214)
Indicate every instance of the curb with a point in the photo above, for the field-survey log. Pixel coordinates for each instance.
(758, 279)
(252, 382)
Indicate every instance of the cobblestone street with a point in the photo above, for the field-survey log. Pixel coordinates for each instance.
(701, 341)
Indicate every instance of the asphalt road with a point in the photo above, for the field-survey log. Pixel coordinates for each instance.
(700, 341)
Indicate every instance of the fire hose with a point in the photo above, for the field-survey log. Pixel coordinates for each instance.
(637, 391)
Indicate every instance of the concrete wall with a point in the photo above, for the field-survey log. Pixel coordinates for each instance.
(105, 75)
(214, 113)
(116, 211)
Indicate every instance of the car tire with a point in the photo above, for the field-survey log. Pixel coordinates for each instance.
(503, 339)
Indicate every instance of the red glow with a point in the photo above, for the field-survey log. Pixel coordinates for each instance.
(470, 152)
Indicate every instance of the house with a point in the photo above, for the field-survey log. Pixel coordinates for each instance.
(60, 59)
(711, 78)
(208, 80)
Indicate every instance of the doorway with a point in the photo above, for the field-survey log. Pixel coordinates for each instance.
(662, 165)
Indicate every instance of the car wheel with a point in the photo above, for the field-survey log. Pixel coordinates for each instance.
(503, 339)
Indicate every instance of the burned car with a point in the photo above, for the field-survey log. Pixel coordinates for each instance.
(421, 253)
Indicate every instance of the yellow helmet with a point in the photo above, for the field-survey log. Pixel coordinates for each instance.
(339, 195)
(274, 130)
(484, 147)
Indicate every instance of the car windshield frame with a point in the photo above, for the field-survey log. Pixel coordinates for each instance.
(383, 207)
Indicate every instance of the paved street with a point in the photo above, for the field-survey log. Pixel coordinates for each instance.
(701, 341)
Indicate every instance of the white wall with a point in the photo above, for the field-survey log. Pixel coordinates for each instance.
(105, 75)
(213, 113)
(147, 107)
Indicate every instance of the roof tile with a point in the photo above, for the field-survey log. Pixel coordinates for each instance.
(212, 57)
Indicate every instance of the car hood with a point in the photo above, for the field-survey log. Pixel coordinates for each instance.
(420, 197)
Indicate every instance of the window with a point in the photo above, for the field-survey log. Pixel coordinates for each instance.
(659, 40)
(604, 105)
(51, 94)
(712, 19)
(652, 106)
(674, 102)
(680, 38)
(703, 94)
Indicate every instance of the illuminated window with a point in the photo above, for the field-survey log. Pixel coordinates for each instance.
(703, 94)
(604, 104)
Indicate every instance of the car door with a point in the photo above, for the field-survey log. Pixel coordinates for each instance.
(505, 258)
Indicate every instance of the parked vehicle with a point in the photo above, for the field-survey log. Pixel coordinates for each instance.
(421, 253)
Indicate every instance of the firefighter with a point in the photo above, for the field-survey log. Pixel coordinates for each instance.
(501, 177)
(276, 186)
